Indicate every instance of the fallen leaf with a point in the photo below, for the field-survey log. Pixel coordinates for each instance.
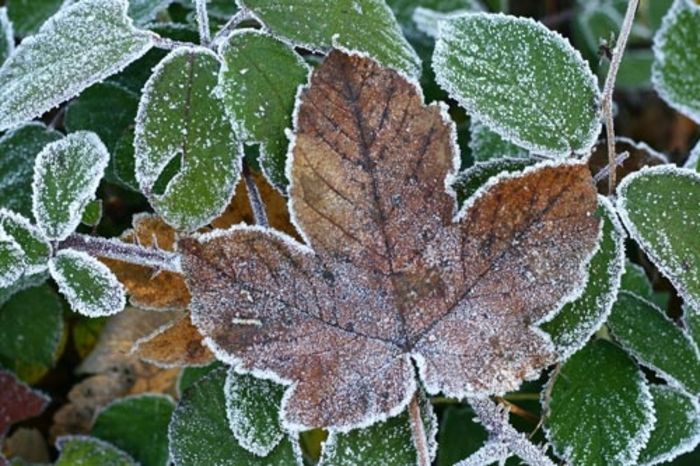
(391, 274)
(177, 344)
(18, 401)
(29, 445)
(148, 288)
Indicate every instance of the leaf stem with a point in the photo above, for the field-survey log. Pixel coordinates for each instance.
(609, 88)
(203, 22)
(118, 250)
(242, 15)
(256, 203)
(418, 429)
(169, 44)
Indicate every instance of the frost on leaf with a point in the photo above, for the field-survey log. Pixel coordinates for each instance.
(66, 175)
(258, 83)
(677, 58)
(28, 15)
(600, 409)
(469, 181)
(578, 320)
(12, 260)
(17, 401)
(148, 288)
(7, 37)
(143, 11)
(693, 162)
(252, 409)
(176, 344)
(79, 46)
(367, 26)
(187, 156)
(677, 428)
(487, 145)
(87, 284)
(521, 80)
(32, 242)
(89, 451)
(656, 341)
(390, 271)
(660, 206)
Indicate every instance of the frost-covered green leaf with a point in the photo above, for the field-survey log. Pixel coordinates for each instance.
(191, 374)
(635, 280)
(66, 175)
(645, 332)
(182, 130)
(521, 80)
(79, 450)
(81, 45)
(7, 38)
(578, 320)
(660, 206)
(428, 20)
(28, 15)
(677, 428)
(677, 65)
(87, 284)
(367, 26)
(258, 84)
(252, 409)
(470, 180)
(487, 145)
(600, 410)
(199, 431)
(139, 426)
(693, 162)
(31, 326)
(383, 443)
(459, 435)
(691, 318)
(93, 213)
(406, 11)
(12, 260)
(18, 149)
(143, 11)
(34, 245)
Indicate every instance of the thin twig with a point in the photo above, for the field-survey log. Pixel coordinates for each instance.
(169, 44)
(242, 15)
(419, 438)
(486, 455)
(256, 203)
(609, 88)
(127, 252)
(203, 22)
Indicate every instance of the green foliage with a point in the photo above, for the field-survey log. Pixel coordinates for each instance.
(28, 15)
(7, 40)
(35, 248)
(87, 451)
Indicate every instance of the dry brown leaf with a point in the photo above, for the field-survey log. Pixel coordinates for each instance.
(391, 274)
(177, 344)
(148, 289)
(640, 155)
(18, 401)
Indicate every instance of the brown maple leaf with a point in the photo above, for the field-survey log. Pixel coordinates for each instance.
(391, 273)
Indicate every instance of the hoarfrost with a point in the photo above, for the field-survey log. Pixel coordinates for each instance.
(428, 21)
(7, 37)
(491, 452)
(33, 243)
(693, 162)
(487, 145)
(12, 260)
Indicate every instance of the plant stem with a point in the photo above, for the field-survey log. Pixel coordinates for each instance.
(256, 203)
(609, 88)
(242, 15)
(127, 252)
(169, 44)
(419, 438)
(203, 22)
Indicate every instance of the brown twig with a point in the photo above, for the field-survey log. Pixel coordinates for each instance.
(419, 438)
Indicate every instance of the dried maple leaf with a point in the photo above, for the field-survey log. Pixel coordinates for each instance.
(18, 401)
(390, 272)
(148, 289)
(176, 344)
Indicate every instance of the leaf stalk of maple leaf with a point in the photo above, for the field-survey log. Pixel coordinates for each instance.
(418, 429)
(609, 88)
(127, 252)
(255, 199)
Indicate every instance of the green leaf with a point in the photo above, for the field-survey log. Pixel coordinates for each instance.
(18, 149)
(693, 162)
(258, 84)
(468, 182)
(367, 26)
(89, 286)
(645, 332)
(659, 206)
(139, 426)
(677, 63)
(66, 175)
(79, 450)
(388, 442)
(12, 260)
(252, 408)
(199, 432)
(124, 161)
(520, 79)
(28, 15)
(578, 320)
(92, 214)
(635, 281)
(180, 121)
(600, 410)
(31, 327)
(7, 37)
(191, 374)
(677, 428)
(691, 318)
(143, 11)
(37, 250)
(487, 145)
(635, 70)
(459, 436)
(81, 45)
